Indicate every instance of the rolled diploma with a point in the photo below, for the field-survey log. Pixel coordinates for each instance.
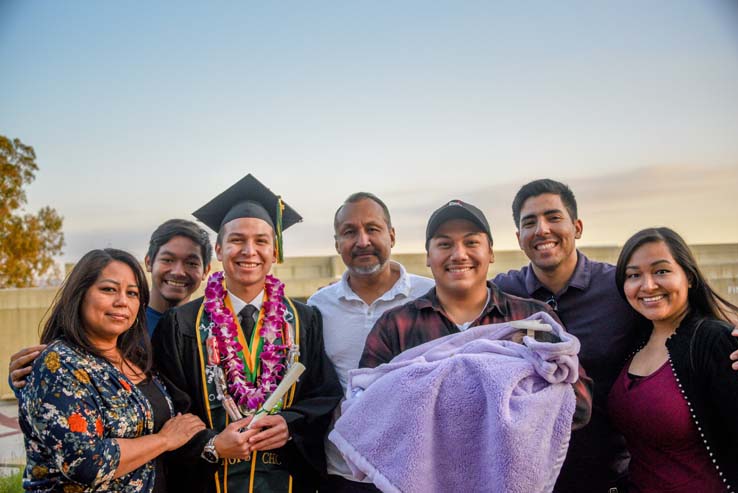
(289, 378)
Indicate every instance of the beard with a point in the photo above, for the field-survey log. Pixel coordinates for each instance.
(367, 270)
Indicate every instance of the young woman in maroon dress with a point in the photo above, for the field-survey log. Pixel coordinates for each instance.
(676, 400)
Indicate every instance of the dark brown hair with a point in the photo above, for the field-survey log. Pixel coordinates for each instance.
(65, 321)
(539, 187)
(701, 297)
(180, 227)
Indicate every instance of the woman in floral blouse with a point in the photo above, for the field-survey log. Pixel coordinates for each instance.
(93, 414)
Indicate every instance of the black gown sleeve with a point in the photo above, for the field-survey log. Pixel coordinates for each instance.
(317, 394)
(176, 358)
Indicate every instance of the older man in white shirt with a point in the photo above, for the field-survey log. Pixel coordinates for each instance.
(371, 285)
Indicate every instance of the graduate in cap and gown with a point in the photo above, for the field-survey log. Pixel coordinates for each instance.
(229, 350)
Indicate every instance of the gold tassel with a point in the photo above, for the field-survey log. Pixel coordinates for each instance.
(278, 226)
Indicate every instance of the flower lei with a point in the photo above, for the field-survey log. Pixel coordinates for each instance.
(245, 392)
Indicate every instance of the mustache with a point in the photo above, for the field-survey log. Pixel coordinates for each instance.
(364, 251)
(177, 278)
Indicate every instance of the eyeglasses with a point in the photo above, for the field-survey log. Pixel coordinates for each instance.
(553, 303)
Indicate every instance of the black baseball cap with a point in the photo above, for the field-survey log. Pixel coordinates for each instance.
(456, 209)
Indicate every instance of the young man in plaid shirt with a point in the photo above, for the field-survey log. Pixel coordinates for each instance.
(459, 252)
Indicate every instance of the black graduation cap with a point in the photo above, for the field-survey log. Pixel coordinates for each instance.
(248, 197)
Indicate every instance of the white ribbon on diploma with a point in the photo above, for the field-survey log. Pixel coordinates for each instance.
(289, 378)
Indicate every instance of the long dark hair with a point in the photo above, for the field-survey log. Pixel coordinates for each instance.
(65, 321)
(701, 297)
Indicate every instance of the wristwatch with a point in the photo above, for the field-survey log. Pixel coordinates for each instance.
(209, 453)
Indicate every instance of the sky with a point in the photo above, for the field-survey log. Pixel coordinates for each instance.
(143, 111)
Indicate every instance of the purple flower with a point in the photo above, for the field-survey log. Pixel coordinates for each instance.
(255, 399)
(270, 358)
(245, 392)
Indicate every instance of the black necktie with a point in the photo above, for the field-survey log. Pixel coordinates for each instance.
(246, 315)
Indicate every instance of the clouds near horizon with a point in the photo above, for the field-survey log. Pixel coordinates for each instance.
(698, 202)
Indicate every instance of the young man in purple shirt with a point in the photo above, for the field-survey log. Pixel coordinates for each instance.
(584, 295)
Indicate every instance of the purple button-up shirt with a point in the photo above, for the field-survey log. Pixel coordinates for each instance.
(592, 309)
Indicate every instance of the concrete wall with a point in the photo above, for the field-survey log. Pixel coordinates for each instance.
(22, 310)
(302, 275)
(21, 314)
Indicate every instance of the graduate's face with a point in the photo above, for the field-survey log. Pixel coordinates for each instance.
(176, 270)
(110, 305)
(459, 255)
(363, 237)
(247, 252)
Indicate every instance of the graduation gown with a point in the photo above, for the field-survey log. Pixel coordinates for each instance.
(177, 356)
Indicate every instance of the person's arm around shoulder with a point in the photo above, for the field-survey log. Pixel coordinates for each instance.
(20, 366)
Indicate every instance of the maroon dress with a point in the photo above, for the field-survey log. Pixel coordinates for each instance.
(667, 454)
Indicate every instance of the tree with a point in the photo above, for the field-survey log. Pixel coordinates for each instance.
(28, 242)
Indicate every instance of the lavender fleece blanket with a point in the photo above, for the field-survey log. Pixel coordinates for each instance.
(467, 412)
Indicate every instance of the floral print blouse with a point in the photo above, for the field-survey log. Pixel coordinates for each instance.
(73, 407)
